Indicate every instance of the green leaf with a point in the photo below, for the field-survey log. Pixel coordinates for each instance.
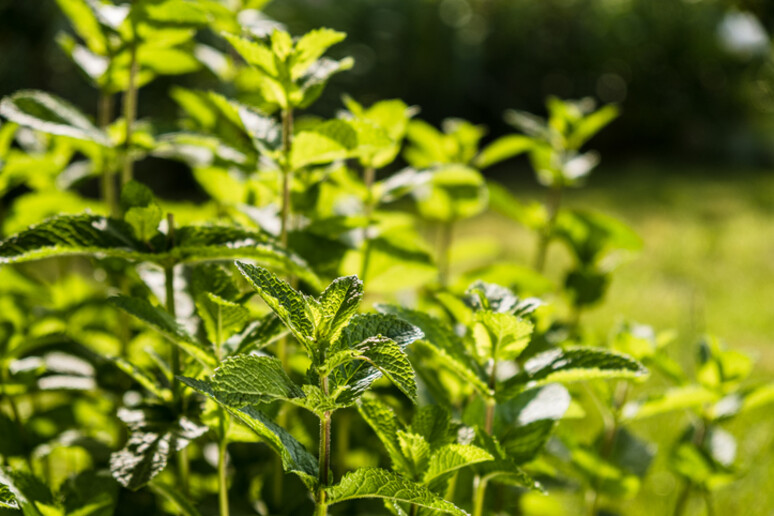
(155, 437)
(86, 24)
(591, 125)
(488, 296)
(572, 365)
(207, 243)
(49, 114)
(289, 305)
(7, 498)
(374, 357)
(215, 294)
(141, 211)
(336, 305)
(174, 496)
(334, 140)
(364, 326)
(389, 358)
(26, 492)
(677, 398)
(455, 192)
(382, 421)
(93, 235)
(310, 47)
(141, 377)
(295, 458)
(378, 483)
(73, 235)
(446, 346)
(251, 379)
(506, 335)
(502, 469)
(255, 53)
(503, 148)
(165, 324)
(452, 457)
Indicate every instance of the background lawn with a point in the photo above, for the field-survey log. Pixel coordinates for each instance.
(706, 266)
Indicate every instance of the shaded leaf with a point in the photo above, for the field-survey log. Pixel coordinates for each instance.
(49, 114)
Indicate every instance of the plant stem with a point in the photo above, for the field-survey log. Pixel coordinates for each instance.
(480, 483)
(222, 466)
(130, 108)
(285, 210)
(479, 496)
(287, 173)
(104, 117)
(369, 176)
(682, 500)
(444, 254)
(324, 464)
(553, 203)
(169, 284)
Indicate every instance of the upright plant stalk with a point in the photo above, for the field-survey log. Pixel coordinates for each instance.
(169, 284)
(480, 483)
(104, 117)
(611, 429)
(324, 464)
(282, 345)
(554, 201)
(444, 253)
(369, 176)
(685, 494)
(130, 108)
(224, 424)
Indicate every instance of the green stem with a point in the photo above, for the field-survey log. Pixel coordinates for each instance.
(287, 173)
(553, 204)
(324, 454)
(130, 108)
(444, 255)
(479, 496)
(222, 468)
(682, 500)
(414, 510)
(285, 211)
(369, 176)
(480, 483)
(104, 117)
(169, 284)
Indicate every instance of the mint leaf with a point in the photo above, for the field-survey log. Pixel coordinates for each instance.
(295, 458)
(336, 305)
(289, 305)
(141, 210)
(378, 483)
(250, 379)
(161, 321)
(44, 112)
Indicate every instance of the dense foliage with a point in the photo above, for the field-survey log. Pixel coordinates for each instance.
(174, 358)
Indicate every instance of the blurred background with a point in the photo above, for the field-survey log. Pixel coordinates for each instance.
(688, 164)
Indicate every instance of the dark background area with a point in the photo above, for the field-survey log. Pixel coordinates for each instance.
(687, 94)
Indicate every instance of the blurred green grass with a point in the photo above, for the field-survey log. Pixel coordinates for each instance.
(706, 266)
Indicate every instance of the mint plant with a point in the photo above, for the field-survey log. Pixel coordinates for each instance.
(347, 353)
(137, 371)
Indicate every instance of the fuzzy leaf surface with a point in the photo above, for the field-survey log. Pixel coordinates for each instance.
(573, 365)
(295, 458)
(289, 305)
(378, 483)
(250, 379)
